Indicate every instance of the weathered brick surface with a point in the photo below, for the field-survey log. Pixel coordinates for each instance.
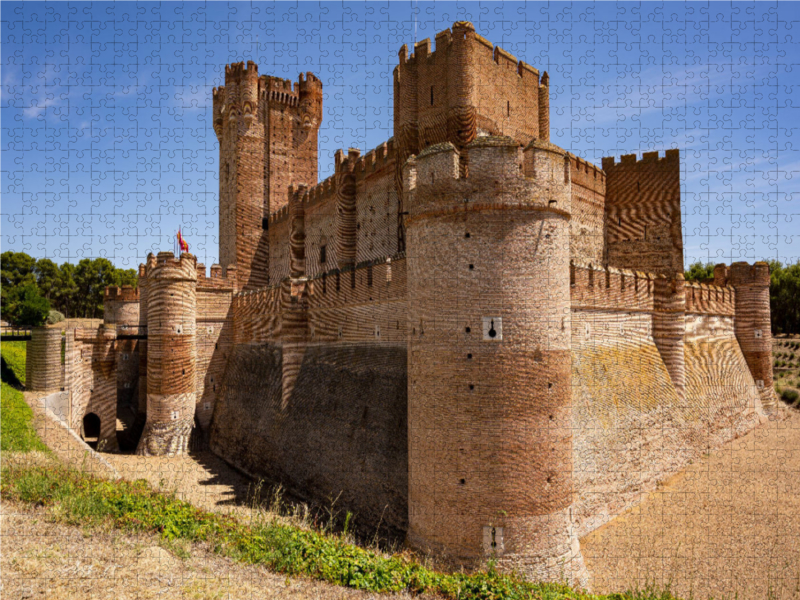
(753, 328)
(267, 129)
(490, 422)
(91, 379)
(171, 353)
(343, 430)
(643, 213)
(43, 368)
(122, 312)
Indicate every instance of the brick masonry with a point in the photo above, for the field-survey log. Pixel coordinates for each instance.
(471, 337)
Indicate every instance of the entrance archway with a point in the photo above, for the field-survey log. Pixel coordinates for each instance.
(91, 430)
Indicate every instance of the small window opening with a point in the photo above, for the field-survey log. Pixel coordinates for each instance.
(508, 108)
(353, 279)
(369, 275)
(472, 267)
(462, 481)
(466, 235)
(472, 386)
(324, 283)
(468, 329)
(265, 223)
(323, 254)
(469, 356)
(431, 95)
(338, 282)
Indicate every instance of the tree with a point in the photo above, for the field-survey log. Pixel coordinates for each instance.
(699, 271)
(46, 273)
(26, 306)
(16, 269)
(784, 297)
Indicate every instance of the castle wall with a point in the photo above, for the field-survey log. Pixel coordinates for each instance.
(376, 208)
(643, 213)
(587, 225)
(213, 339)
(91, 379)
(341, 435)
(632, 428)
(121, 311)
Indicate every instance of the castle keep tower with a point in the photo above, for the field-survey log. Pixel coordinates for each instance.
(464, 88)
(267, 132)
(489, 400)
(171, 353)
(752, 324)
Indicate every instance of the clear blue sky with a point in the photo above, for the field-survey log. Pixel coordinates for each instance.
(108, 146)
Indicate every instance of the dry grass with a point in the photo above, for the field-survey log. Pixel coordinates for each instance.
(786, 366)
(41, 559)
(726, 527)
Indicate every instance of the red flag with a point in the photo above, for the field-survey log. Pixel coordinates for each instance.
(184, 246)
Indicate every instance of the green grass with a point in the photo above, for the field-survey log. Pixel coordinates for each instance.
(13, 355)
(76, 498)
(16, 427)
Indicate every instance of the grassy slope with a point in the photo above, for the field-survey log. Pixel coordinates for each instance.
(16, 430)
(76, 498)
(79, 499)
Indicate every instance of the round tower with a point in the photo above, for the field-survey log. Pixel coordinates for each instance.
(490, 417)
(171, 353)
(752, 324)
(669, 326)
(43, 368)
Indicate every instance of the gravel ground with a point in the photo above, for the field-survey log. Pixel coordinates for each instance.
(726, 527)
(41, 559)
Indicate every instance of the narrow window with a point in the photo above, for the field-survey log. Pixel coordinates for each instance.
(265, 223)
(369, 275)
(324, 283)
(353, 279)
(323, 254)
(338, 282)
(508, 108)
(431, 95)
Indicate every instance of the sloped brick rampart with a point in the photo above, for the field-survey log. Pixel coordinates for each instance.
(342, 433)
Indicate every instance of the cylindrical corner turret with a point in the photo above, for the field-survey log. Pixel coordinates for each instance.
(752, 324)
(346, 217)
(669, 326)
(544, 108)
(490, 404)
(171, 354)
(43, 368)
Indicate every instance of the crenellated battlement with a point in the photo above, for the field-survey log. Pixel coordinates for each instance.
(166, 266)
(126, 293)
(423, 50)
(586, 174)
(710, 299)
(742, 273)
(218, 278)
(648, 159)
(609, 288)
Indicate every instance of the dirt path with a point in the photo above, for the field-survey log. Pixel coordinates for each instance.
(43, 560)
(726, 527)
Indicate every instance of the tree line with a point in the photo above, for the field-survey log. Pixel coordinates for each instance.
(784, 292)
(34, 290)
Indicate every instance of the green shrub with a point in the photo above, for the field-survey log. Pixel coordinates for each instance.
(790, 395)
(54, 317)
(25, 306)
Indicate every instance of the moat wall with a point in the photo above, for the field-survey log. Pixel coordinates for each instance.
(342, 434)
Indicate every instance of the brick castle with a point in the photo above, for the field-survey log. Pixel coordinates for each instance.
(474, 339)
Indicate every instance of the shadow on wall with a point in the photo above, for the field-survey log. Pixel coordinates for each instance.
(341, 438)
